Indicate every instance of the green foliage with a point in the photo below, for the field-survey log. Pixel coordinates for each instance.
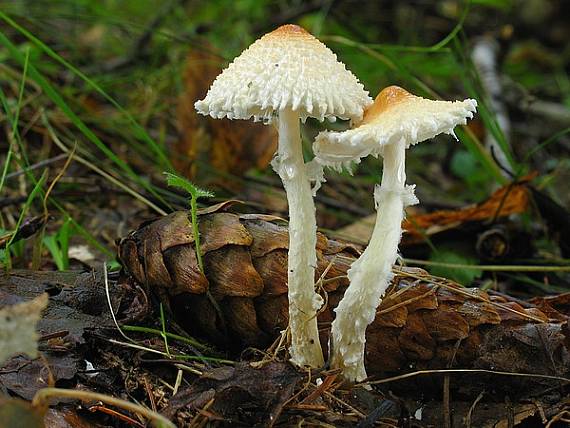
(138, 130)
(36, 77)
(468, 167)
(504, 5)
(58, 244)
(16, 250)
(186, 185)
(163, 331)
(58, 100)
(36, 191)
(134, 104)
(195, 193)
(183, 339)
(444, 261)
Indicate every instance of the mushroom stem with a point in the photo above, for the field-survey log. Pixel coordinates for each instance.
(304, 302)
(370, 275)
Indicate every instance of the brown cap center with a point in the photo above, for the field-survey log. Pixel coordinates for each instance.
(387, 98)
(289, 30)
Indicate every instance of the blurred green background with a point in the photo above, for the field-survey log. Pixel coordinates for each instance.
(113, 79)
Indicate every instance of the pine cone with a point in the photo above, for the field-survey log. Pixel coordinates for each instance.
(423, 322)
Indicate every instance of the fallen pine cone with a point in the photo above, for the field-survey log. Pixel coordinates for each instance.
(424, 322)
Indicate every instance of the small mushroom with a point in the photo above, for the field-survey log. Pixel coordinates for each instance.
(289, 75)
(395, 121)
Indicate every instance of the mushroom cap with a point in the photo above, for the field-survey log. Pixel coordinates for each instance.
(285, 68)
(396, 115)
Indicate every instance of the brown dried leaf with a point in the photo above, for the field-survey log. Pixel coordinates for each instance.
(77, 304)
(511, 199)
(245, 395)
(508, 200)
(227, 146)
(555, 307)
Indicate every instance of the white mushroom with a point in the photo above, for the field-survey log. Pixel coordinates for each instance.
(396, 120)
(289, 75)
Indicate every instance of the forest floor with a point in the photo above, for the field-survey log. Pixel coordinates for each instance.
(97, 102)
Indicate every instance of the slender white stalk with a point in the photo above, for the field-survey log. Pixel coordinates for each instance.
(370, 275)
(304, 302)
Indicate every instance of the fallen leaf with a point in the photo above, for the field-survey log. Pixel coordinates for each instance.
(242, 394)
(77, 304)
(511, 199)
(18, 413)
(18, 327)
(207, 144)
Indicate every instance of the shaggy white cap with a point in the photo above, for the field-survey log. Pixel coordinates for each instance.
(395, 115)
(285, 68)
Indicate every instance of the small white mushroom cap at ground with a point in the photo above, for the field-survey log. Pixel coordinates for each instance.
(395, 121)
(287, 76)
(286, 68)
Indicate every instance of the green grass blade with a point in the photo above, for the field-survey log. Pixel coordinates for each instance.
(4, 103)
(14, 120)
(50, 91)
(475, 88)
(139, 131)
(50, 243)
(184, 339)
(33, 194)
(477, 149)
(453, 34)
(544, 144)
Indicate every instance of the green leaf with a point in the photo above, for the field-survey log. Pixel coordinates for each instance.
(51, 244)
(63, 236)
(174, 180)
(452, 257)
(466, 165)
(58, 244)
(3, 257)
